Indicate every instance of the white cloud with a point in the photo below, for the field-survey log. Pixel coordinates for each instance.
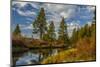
(35, 5)
(63, 14)
(26, 13)
(28, 22)
(61, 9)
(30, 19)
(19, 4)
(55, 9)
(26, 27)
(23, 4)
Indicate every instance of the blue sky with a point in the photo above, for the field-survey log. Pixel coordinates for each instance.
(24, 14)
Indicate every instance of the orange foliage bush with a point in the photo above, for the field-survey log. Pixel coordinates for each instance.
(86, 47)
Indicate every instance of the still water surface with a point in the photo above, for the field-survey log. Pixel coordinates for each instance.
(36, 56)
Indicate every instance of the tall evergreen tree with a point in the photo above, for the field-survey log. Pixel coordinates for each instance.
(17, 30)
(63, 34)
(40, 25)
(51, 31)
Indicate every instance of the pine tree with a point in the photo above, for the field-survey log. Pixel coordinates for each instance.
(40, 25)
(63, 34)
(17, 31)
(87, 30)
(51, 31)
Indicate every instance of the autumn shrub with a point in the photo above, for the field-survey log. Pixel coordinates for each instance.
(86, 48)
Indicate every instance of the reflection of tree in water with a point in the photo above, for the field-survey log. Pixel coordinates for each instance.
(42, 54)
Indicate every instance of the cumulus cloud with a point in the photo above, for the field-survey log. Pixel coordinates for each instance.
(60, 9)
(29, 19)
(26, 13)
(19, 4)
(26, 27)
(20, 8)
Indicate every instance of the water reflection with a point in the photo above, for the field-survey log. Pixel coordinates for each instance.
(35, 56)
(28, 58)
